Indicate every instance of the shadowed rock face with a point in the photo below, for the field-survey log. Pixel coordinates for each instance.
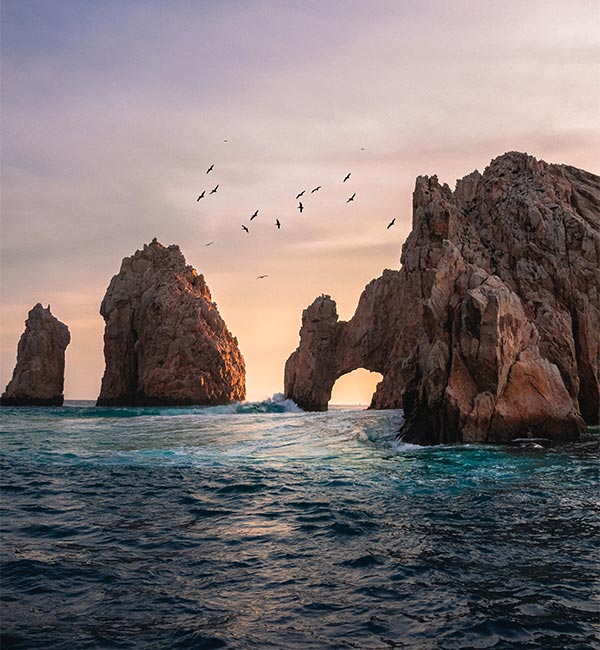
(491, 328)
(39, 376)
(165, 342)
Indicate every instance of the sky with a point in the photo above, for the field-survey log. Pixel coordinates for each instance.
(112, 111)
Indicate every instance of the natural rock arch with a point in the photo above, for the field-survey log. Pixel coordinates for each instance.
(355, 388)
(331, 348)
(490, 329)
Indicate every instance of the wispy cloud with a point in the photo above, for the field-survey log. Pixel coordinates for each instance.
(112, 111)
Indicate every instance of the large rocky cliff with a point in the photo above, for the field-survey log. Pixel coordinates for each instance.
(491, 328)
(165, 343)
(39, 376)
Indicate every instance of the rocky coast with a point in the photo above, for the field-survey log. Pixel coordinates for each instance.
(490, 329)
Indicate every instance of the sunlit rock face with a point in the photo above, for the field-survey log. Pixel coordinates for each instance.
(491, 328)
(165, 342)
(39, 376)
(330, 348)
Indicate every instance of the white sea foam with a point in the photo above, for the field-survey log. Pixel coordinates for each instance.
(398, 445)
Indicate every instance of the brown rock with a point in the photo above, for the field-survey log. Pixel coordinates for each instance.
(39, 376)
(331, 348)
(165, 342)
(491, 328)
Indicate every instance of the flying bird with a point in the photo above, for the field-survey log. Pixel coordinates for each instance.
(260, 277)
(244, 228)
(351, 198)
(315, 190)
(347, 177)
(254, 215)
(210, 243)
(201, 196)
(210, 169)
(213, 191)
(301, 194)
(391, 223)
(278, 224)
(300, 206)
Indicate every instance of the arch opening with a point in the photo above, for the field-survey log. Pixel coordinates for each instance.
(355, 388)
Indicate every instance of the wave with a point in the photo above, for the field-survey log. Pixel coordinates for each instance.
(398, 445)
(276, 404)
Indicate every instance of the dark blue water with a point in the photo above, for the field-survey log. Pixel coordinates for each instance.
(261, 527)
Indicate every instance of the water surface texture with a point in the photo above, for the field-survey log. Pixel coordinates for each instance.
(259, 526)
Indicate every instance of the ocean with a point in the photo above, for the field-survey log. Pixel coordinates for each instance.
(261, 526)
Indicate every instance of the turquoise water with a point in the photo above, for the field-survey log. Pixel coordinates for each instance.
(260, 526)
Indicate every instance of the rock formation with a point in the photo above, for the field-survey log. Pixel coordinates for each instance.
(39, 376)
(491, 328)
(165, 342)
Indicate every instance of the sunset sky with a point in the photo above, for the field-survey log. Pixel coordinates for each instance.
(111, 112)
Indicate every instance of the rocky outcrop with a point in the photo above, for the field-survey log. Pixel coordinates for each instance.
(39, 376)
(165, 342)
(331, 348)
(491, 328)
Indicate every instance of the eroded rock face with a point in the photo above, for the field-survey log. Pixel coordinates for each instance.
(39, 376)
(165, 342)
(493, 330)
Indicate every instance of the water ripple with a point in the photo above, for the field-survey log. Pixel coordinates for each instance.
(264, 527)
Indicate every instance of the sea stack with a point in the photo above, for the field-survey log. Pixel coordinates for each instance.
(165, 342)
(39, 376)
(490, 330)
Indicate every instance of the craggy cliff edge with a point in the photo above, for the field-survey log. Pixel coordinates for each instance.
(39, 376)
(491, 328)
(165, 343)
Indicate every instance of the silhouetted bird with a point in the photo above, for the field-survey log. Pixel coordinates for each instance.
(260, 277)
(201, 196)
(347, 177)
(278, 224)
(254, 215)
(351, 198)
(246, 229)
(391, 223)
(213, 191)
(301, 194)
(210, 243)
(315, 190)
(210, 169)
(300, 206)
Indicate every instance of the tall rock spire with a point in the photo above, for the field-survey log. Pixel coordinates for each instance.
(165, 343)
(39, 376)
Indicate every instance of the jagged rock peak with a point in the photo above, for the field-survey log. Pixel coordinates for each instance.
(39, 375)
(491, 328)
(165, 342)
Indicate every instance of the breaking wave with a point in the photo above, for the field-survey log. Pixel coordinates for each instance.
(276, 404)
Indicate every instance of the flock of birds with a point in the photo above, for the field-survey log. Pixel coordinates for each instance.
(277, 222)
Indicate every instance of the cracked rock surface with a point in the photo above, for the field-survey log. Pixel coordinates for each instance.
(490, 330)
(39, 375)
(165, 342)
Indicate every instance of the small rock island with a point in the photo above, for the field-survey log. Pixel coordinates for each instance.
(39, 375)
(165, 342)
(490, 330)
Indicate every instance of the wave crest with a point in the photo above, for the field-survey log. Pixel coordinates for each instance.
(276, 404)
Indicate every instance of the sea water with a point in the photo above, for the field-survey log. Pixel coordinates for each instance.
(261, 526)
